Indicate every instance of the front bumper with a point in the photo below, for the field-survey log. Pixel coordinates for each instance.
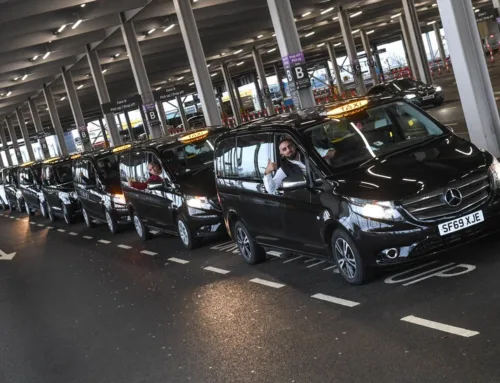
(437, 100)
(402, 242)
(205, 223)
(121, 214)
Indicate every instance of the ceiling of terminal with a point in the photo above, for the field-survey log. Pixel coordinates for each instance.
(39, 37)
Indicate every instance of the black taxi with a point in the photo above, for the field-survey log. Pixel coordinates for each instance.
(11, 192)
(169, 186)
(96, 178)
(370, 182)
(30, 186)
(4, 203)
(58, 190)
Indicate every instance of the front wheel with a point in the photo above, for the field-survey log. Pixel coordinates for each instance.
(67, 214)
(251, 252)
(141, 229)
(88, 221)
(186, 235)
(28, 209)
(349, 262)
(112, 224)
(19, 206)
(43, 209)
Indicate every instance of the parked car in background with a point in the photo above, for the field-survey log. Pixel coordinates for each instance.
(414, 91)
(30, 186)
(11, 189)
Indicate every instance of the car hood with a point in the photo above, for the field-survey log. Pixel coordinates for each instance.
(200, 184)
(420, 90)
(421, 169)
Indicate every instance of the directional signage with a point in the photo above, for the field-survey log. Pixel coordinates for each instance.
(84, 133)
(297, 74)
(124, 105)
(171, 93)
(485, 15)
(150, 112)
(6, 256)
(301, 77)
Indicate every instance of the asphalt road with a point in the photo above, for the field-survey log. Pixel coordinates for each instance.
(79, 305)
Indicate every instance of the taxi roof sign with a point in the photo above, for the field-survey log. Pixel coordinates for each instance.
(121, 148)
(194, 136)
(75, 156)
(347, 109)
(51, 160)
(28, 163)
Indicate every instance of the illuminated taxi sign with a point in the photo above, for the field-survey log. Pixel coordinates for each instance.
(75, 156)
(122, 148)
(194, 136)
(50, 160)
(347, 109)
(28, 163)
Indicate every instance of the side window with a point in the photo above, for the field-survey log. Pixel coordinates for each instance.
(25, 177)
(136, 176)
(48, 176)
(154, 170)
(252, 154)
(225, 158)
(125, 167)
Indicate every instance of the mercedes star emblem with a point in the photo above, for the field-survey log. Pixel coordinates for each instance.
(453, 197)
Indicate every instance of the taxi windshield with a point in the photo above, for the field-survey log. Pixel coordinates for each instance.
(109, 169)
(64, 173)
(371, 132)
(190, 157)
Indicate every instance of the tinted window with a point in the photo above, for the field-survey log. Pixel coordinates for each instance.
(190, 157)
(404, 84)
(137, 167)
(25, 177)
(64, 173)
(225, 160)
(376, 90)
(49, 178)
(125, 167)
(84, 172)
(108, 168)
(145, 167)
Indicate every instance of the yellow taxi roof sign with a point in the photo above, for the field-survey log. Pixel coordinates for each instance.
(121, 148)
(28, 163)
(347, 109)
(50, 160)
(75, 156)
(194, 136)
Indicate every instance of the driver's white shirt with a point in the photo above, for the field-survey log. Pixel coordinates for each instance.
(273, 183)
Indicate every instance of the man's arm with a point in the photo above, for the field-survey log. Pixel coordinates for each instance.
(273, 183)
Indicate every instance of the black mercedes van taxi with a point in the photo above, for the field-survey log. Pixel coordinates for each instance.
(11, 190)
(369, 182)
(58, 190)
(30, 186)
(169, 185)
(96, 177)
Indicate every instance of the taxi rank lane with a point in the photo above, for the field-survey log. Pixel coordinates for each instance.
(81, 305)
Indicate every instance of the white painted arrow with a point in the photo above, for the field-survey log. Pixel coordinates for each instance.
(6, 257)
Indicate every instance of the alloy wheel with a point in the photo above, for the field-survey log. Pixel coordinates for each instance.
(345, 258)
(183, 232)
(243, 243)
(138, 226)
(110, 222)
(86, 217)
(42, 209)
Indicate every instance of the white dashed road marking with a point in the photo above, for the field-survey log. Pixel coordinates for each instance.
(293, 259)
(40, 225)
(32, 223)
(273, 253)
(73, 234)
(148, 252)
(440, 326)
(87, 237)
(267, 283)
(104, 241)
(50, 228)
(330, 267)
(178, 260)
(12, 217)
(217, 270)
(61, 230)
(125, 247)
(338, 301)
(315, 264)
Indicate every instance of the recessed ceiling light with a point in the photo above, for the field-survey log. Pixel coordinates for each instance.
(208, 65)
(434, 5)
(477, 10)
(83, 5)
(16, 78)
(326, 10)
(2, 94)
(64, 98)
(151, 31)
(46, 55)
(271, 50)
(9, 93)
(335, 18)
(274, 34)
(309, 34)
(169, 28)
(240, 63)
(370, 32)
(238, 51)
(191, 83)
(180, 78)
(157, 89)
(306, 14)
(431, 22)
(77, 24)
(35, 57)
(336, 45)
(320, 45)
(80, 86)
(104, 71)
(356, 14)
(117, 55)
(24, 77)
(223, 54)
(260, 36)
(355, 31)
(61, 28)
(396, 15)
(213, 74)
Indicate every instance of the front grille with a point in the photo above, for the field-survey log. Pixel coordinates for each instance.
(431, 206)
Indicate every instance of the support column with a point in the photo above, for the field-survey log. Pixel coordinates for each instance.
(140, 76)
(102, 93)
(76, 109)
(471, 73)
(24, 132)
(350, 46)
(241, 107)
(410, 53)
(163, 117)
(197, 62)
(103, 131)
(261, 73)
(129, 125)
(13, 138)
(369, 56)
(39, 128)
(182, 112)
(54, 117)
(258, 92)
(289, 45)
(336, 68)
(422, 72)
(439, 40)
(5, 147)
(230, 90)
(280, 82)
(379, 63)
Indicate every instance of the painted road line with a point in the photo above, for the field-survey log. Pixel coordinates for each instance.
(310, 260)
(216, 270)
(40, 225)
(73, 234)
(125, 247)
(12, 217)
(50, 228)
(440, 326)
(293, 259)
(61, 230)
(148, 252)
(32, 223)
(330, 267)
(338, 301)
(273, 253)
(104, 241)
(267, 283)
(315, 264)
(87, 237)
(178, 260)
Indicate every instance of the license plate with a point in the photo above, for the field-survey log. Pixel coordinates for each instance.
(461, 223)
(428, 97)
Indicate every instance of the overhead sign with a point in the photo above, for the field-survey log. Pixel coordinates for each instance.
(84, 133)
(297, 75)
(151, 112)
(301, 77)
(124, 105)
(171, 92)
(485, 15)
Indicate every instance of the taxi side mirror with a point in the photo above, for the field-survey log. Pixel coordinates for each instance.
(294, 182)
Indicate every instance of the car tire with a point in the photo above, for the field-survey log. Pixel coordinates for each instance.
(348, 259)
(19, 206)
(43, 209)
(112, 224)
(67, 215)
(186, 236)
(88, 221)
(28, 209)
(141, 229)
(10, 206)
(51, 214)
(251, 252)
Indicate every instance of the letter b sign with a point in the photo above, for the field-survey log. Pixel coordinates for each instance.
(301, 77)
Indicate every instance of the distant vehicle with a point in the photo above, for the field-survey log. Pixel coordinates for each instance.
(413, 91)
(11, 188)
(30, 185)
(4, 204)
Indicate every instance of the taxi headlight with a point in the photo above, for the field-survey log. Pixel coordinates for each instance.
(438, 89)
(73, 195)
(410, 96)
(199, 203)
(383, 210)
(119, 199)
(495, 173)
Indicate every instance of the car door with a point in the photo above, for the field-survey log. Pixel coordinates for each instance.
(10, 186)
(49, 187)
(27, 185)
(3, 197)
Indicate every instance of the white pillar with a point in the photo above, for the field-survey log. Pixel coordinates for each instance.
(368, 51)
(13, 138)
(5, 147)
(264, 88)
(54, 117)
(471, 72)
(230, 91)
(24, 132)
(39, 128)
(336, 69)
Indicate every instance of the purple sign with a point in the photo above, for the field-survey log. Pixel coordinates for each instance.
(293, 59)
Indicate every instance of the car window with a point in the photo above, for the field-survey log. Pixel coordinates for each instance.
(108, 168)
(25, 177)
(379, 89)
(48, 175)
(137, 167)
(189, 158)
(124, 167)
(63, 173)
(225, 158)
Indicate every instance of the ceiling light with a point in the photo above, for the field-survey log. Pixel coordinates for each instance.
(88, 75)
(356, 14)
(335, 18)
(260, 36)
(80, 86)
(9, 93)
(240, 63)
(76, 24)
(370, 32)
(117, 55)
(64, 98)
(320, 45)
(396, 15)
(61, 28)
(157, 89)
(271, 50)
(477, 10)
(274, 34)
(431, 22)
(180, 78)
(309, 34)
(336, 45)
(208, 65)
(238, 51)
(434, 5)
(169, 28)
(213, 74)
(24, 77)
(35, 57)
(46, 55)
(355, 31)
(306, 14)
(16, 78)
(104, 71)
(223, 53)
(191, 83)
(151, 31)
(2, 94)
(83, 5)
(326, 11)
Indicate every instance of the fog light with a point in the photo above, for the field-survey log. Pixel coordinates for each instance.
(391, 253)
